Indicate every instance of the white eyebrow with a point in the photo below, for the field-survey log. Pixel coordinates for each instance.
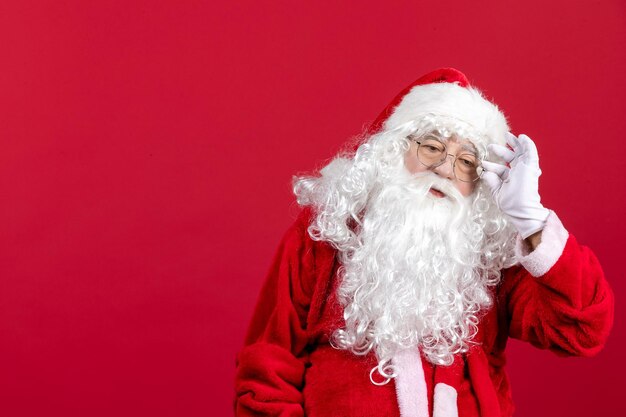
(469, 147)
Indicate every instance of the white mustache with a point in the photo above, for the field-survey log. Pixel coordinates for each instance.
(429, 180)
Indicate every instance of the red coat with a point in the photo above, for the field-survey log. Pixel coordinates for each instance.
(557, 299)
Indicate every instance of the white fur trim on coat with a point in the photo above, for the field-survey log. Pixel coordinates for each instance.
(410, 384)
(444, 403)
(547, 253)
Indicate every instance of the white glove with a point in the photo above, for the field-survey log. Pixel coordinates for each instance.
(516, 189)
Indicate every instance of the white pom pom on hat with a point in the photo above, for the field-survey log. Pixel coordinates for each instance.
(444, 99)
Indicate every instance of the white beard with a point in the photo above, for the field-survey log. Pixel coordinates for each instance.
(415, 279)
(417, 269)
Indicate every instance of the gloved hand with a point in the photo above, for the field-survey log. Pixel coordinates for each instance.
(516, 189)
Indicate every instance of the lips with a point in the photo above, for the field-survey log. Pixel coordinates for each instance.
(436, 192)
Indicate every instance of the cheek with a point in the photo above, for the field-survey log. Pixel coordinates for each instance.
(412, 164)
(466, 188)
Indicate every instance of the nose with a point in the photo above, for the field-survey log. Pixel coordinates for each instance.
(445, 169)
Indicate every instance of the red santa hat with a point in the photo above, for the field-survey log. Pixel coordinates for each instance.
(444, 100)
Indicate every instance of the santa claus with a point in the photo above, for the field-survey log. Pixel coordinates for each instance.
(413, 260)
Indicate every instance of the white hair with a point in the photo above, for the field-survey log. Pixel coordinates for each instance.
(416, 270)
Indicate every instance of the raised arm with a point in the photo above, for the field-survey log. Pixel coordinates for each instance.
(558, 298)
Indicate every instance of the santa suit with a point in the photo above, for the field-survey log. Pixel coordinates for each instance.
(557, 298)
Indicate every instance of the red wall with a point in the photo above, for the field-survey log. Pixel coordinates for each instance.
(145, 164)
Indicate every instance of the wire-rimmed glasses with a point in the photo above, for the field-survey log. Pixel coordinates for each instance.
(432, 152)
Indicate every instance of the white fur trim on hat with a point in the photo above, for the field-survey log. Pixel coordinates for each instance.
(460, 110)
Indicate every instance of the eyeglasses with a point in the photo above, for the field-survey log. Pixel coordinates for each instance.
(432, 152)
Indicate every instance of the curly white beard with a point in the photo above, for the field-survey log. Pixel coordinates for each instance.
(416, 268)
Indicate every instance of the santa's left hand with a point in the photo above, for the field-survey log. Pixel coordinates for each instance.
(516, 189)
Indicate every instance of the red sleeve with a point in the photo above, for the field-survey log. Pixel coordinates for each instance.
(558, 298)
(270, 368)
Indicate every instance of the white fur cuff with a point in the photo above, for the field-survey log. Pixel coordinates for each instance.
(553, 240)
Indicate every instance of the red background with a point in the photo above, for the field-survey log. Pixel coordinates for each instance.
(148, 147)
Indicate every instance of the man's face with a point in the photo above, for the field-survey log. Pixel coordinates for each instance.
(453, 147)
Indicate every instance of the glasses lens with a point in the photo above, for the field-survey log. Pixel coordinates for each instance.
(466, 167)
(431, 151)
